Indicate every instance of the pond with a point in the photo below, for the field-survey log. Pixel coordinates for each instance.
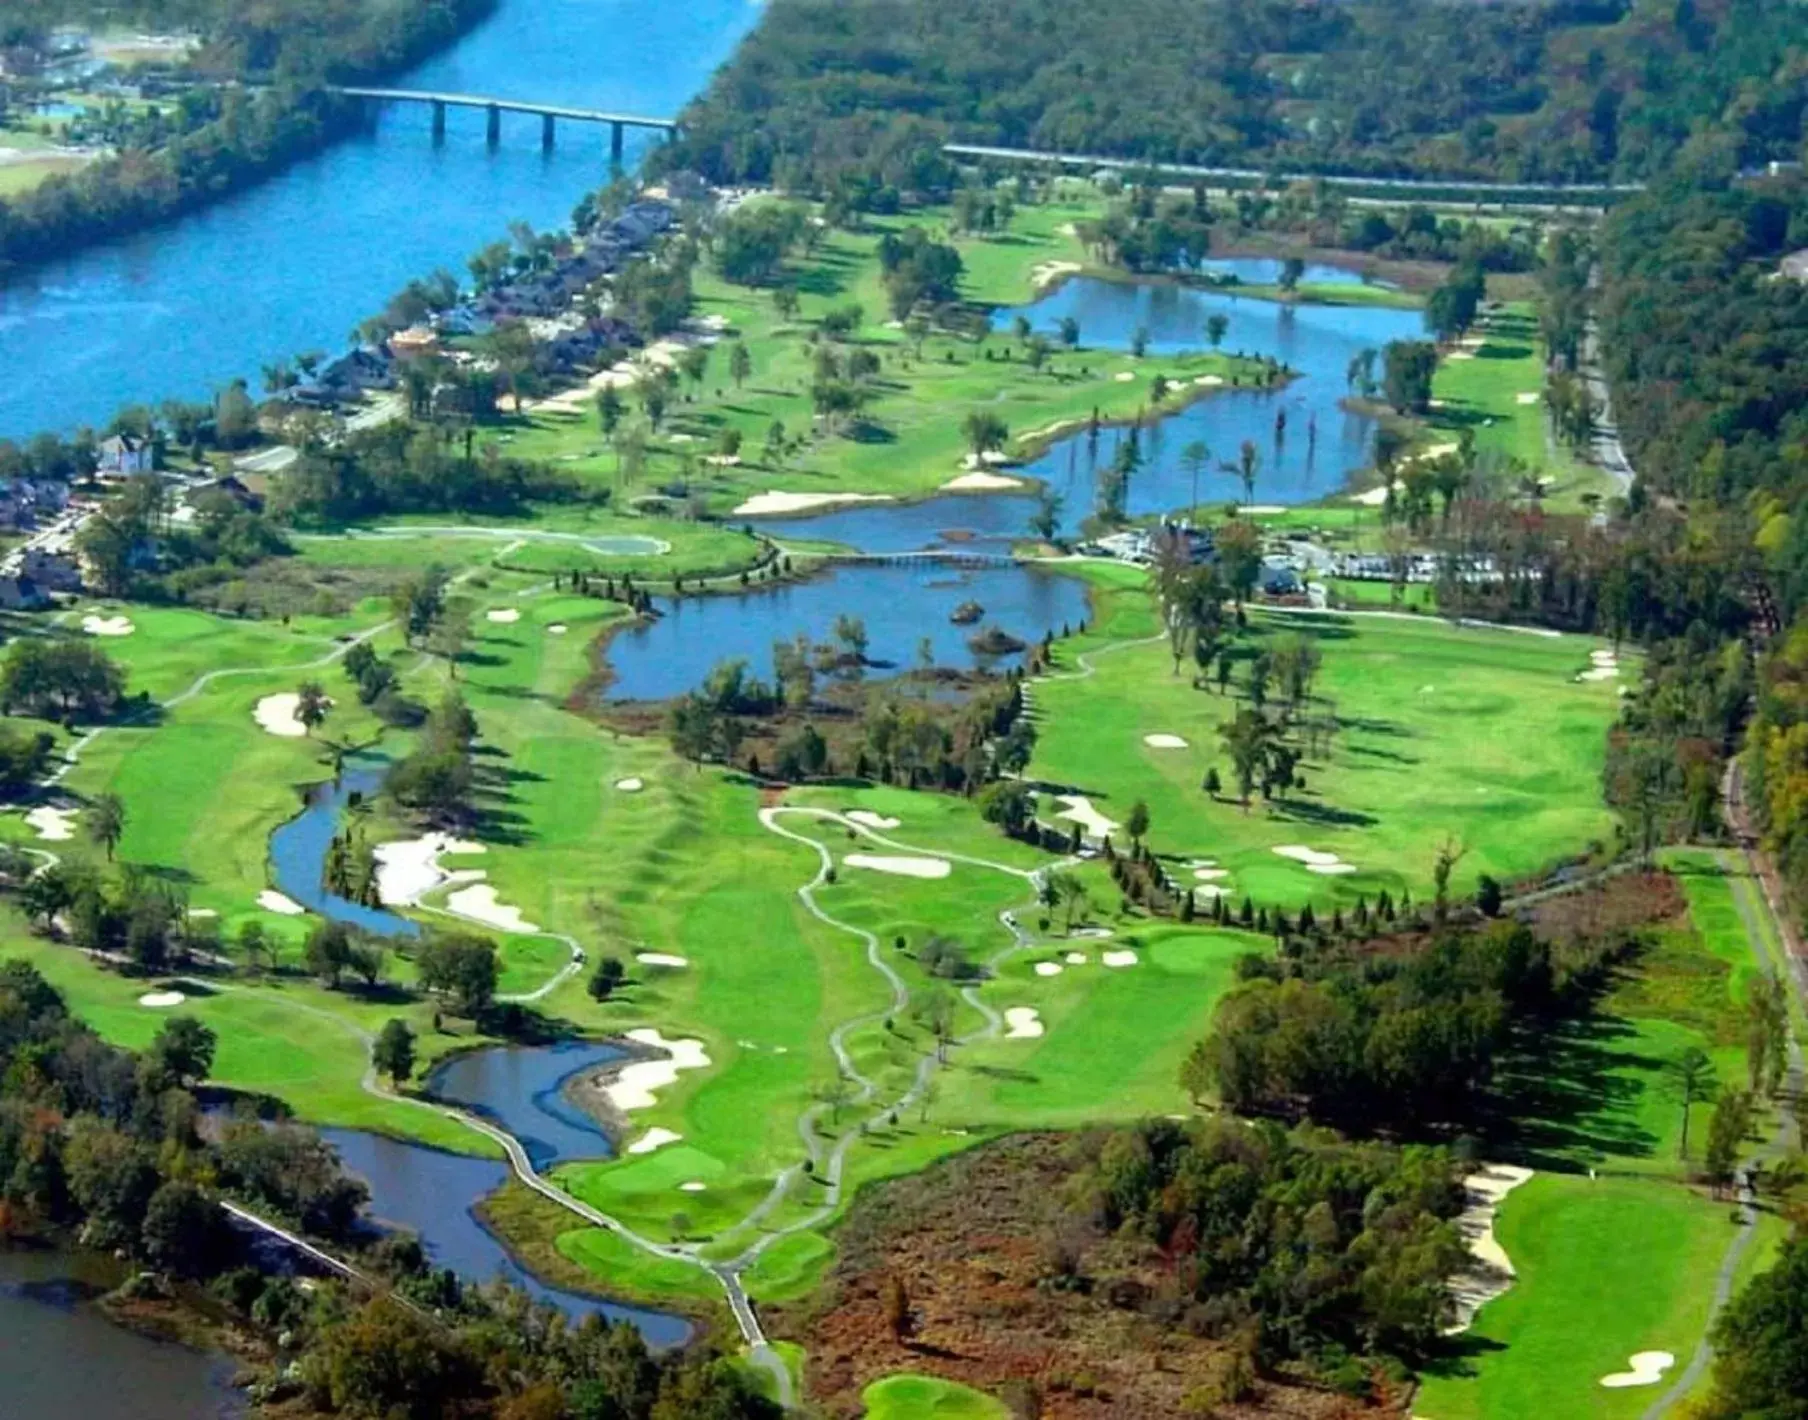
(433, 1194)
(522, 1088)
(298, 853)
(1320, 445)
(902, 605)
(62, 1358)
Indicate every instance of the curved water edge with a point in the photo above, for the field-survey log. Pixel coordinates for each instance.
(294, 264)
(299, 847)
(65, 1357)
(1320, 446)
(410, 1187)
(525, 1090)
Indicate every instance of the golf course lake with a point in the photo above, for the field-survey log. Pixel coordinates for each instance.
(293, 264)
(1314, 453)
(901, 604)
(62, 1356)
(298, 854)
(434, 1194)
(522, 1088)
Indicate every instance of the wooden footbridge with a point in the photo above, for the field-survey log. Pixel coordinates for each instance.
(494, 108)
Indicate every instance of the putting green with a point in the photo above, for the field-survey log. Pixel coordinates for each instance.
(910, 1397)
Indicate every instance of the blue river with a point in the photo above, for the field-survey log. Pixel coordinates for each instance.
(297, 263)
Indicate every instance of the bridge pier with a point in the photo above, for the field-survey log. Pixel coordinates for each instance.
(439, 121)
(546, 126)
(616, 130)
(494, 131)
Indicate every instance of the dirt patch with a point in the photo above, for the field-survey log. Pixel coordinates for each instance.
(970, 1240)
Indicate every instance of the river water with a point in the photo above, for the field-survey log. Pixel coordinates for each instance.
(297, 263)
(61, 1358)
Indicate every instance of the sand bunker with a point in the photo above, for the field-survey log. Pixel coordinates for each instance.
(1164, 742)
(1023, 1023)
(1209, 381)
(652, 1139)
(981, 482)
(661, 959)
(1648, 1368)
(1211, 875)
(903, 867)
(695, 1185)
(634, 1086)
(504, 615)
(1080, 810)
(275, 714)
(1121, 958)
(409, 867)
(775, 502)
(1602, 665)
(1529, 397)
(1048, 968)
(51, 822)
(273, 901)
(1302, 854)
(868, 819)
(1046, 273)
(630, 785)
(1376, 497)
(479, 903)
(1490, 1272)
(108, 625)
(1331, 870)
(558, 628)
(201, 913)
(1123, 377)
(1210, 890)
(160, 1000)
(1076, 958)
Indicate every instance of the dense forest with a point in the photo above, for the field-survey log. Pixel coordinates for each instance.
(1584, 90)
(224, 138)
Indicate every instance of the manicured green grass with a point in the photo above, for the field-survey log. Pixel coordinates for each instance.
(913, 1397)
(1477, 735)
(1607, 1267)
(16, 178)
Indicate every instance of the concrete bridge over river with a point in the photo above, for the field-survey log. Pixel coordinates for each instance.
(494, 108)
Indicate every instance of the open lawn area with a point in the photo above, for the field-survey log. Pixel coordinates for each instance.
(1477, 735)
(911, 1397)
(1608, 1267)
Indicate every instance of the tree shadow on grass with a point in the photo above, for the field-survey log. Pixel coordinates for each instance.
(1389, 755)
(1305, 811)
(1458, 1357)
(1565, 1094)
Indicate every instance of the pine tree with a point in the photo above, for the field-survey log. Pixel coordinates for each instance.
(1247, 915)
(1186, 907)
(1307, 922)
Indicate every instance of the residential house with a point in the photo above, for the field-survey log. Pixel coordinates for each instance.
(20, 593)
(51, 571)
(125, 454)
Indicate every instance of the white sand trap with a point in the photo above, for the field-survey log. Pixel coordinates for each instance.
(1077, 958)
(273, 901)
(503, 615)
(662, 959)
(1023, 1023)
(1209, 381)
(1123, 377)
(981, 482)
(652, 1139)
(903, 867)
(409, 867)
(1211, 875)
(202, 913)
(1080, 810)
(1210, 890)
(1121, 958)
(1264, 510)
(108, 625)
(1490, 1272)
(630, 785)
(773, 501)
(1164, 742)
(558, 628)
(160, 1000)
(1528, 397)
(1648, 1368)
(1045, 273)
(1094, 933)
(1048, 968)
(478, 902)
(1597, 674)
(1301, 854)
(1331, 870)
(51, 822)
(868, 819)
(634, 1086)
(1376, 497)
(1460, 355)
(1603, 657)
(275, 714)
(695, 1185)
